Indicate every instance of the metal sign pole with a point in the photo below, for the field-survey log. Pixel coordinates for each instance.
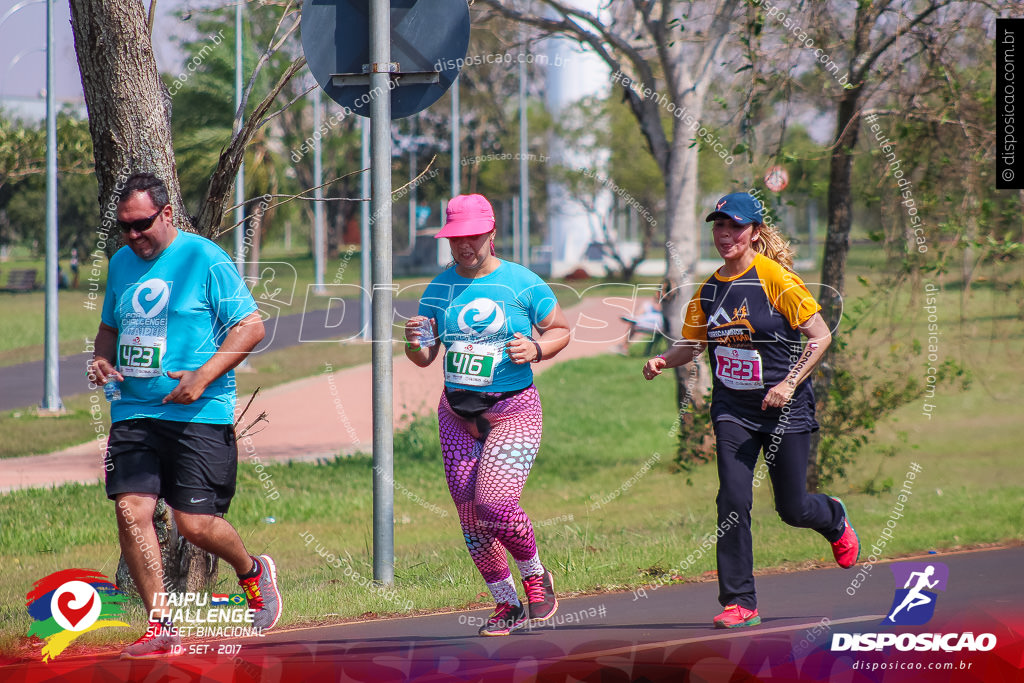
(358, 73)
(319, 248)
(524, 173)
(364, 234)
(456, 147)
(383, 406)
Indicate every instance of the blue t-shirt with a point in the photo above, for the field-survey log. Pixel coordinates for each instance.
(172, 313)
(476, 317)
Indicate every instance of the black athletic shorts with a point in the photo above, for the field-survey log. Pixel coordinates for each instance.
(191, 465)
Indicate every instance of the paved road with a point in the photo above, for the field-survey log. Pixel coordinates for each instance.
(626, 637)
(22, 385)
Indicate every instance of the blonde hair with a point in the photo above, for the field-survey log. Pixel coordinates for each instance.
(770, 243)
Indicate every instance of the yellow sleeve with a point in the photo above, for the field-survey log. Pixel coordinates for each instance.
(695, 323)
(786, 292)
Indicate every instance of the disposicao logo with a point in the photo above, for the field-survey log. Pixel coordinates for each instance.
(912, 605)
(68, 603)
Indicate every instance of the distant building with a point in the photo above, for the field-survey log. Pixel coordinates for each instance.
(572, 74)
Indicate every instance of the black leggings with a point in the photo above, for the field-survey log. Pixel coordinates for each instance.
(786, 455)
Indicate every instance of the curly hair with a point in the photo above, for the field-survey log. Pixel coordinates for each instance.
(770, 243)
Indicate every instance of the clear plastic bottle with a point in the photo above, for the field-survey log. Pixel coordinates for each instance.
(427, 338)
(112, 390)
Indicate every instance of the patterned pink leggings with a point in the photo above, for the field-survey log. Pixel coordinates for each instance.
(486, 479)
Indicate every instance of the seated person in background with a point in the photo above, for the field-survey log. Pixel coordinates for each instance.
(648, 319)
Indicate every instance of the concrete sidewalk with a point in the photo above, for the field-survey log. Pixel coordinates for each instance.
(329, 414)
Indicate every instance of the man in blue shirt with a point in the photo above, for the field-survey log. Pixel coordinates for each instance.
(176, 320)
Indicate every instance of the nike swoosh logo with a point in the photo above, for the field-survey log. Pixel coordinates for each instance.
(193, 500)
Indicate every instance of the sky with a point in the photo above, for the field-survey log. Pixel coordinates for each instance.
(23, 52)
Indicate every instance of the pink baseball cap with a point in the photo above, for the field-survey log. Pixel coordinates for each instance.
(467, 214)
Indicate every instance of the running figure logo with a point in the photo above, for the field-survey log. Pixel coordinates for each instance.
(914, 601)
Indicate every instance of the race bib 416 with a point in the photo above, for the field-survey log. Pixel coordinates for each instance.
(471, 364)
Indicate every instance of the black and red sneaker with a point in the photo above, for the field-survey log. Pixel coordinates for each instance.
(506, 618)
(540, 596)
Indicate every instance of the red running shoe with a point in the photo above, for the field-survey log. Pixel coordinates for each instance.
(736, 616)
(847, 549)
(159, 640)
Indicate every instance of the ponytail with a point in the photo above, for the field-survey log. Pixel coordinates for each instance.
(771, 244)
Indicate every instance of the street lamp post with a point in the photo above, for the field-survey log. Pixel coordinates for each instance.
(240, 178)
(51, 374)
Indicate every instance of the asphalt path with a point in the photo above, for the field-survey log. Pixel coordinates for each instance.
(665, 636)
(22, 385)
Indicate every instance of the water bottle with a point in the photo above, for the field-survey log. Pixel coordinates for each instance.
(112, 390)
(427, 338)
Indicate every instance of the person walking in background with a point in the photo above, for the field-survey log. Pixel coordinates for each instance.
(751, 313)
(484, 309)
(74, 267)
(176, 319)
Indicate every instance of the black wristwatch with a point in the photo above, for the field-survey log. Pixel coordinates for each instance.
(539, 354)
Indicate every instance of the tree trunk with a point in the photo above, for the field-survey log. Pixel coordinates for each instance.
(129, 107)
(186, 567)
(837, 246)
(130, 123)
(681, 254)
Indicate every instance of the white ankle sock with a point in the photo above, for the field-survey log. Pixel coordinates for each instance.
(530, 567)
(504, 591)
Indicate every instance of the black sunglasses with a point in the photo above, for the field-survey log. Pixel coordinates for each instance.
(141, 225)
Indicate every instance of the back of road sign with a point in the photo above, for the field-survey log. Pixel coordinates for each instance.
(426, 36)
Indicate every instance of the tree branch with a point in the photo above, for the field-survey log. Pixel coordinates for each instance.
(267, 119)
(212, 211)
(865, 67)
(264, 58)
(645, 111)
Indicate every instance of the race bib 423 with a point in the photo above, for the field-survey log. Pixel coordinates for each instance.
(140, 356)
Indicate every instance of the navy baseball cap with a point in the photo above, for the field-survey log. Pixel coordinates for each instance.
(739, 206)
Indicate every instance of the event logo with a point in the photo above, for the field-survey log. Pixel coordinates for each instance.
(486, 319)
(914, 601)
(158, 293)
(68, 603)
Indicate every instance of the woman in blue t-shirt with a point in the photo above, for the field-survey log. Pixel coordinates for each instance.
(751, 314)
(484, 311)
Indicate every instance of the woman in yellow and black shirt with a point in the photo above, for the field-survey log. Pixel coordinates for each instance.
(751, 314)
